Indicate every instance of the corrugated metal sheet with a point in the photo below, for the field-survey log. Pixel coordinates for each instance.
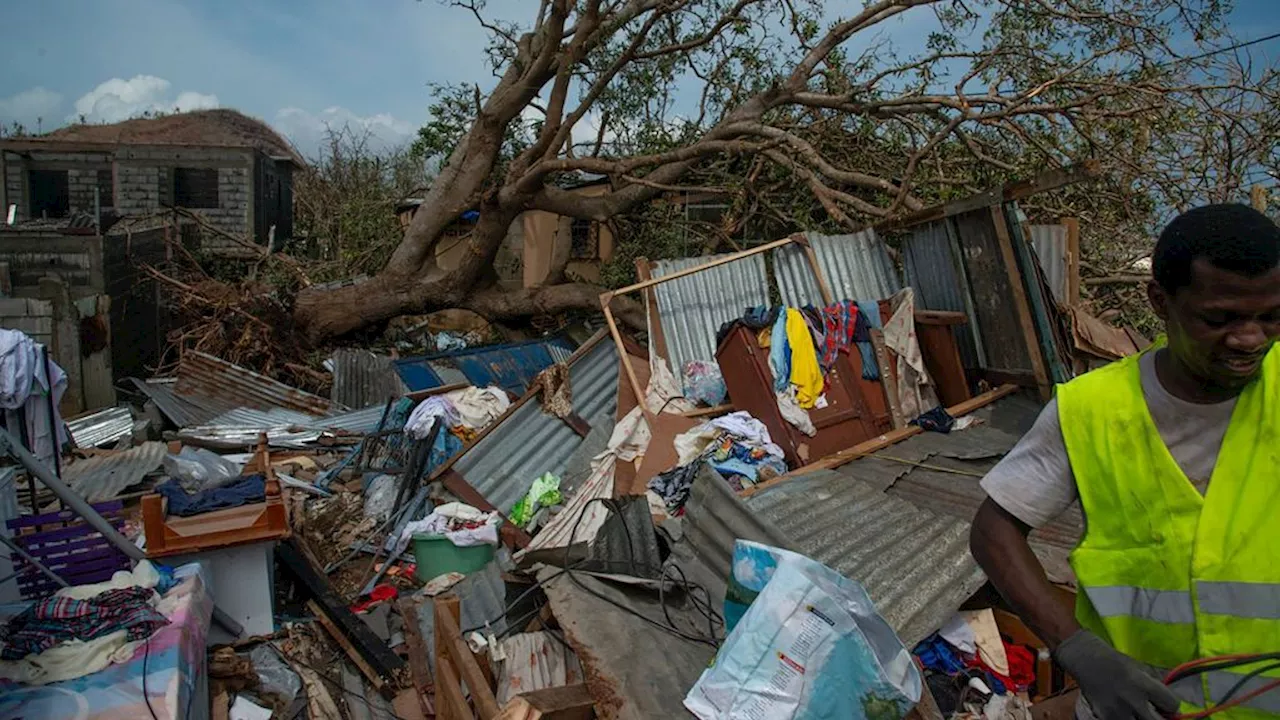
(511, 367)
(8, 511)
(929, 259)
(362, 379)
(182, 410)
(102, 427)
(856, 267)
(693, 308)
(528, 442)
(637, 670)
(250, 418)
(206, 376)
(482, 599)
(103, 477)
(359, 422)
(1050, 244)
(914, 563)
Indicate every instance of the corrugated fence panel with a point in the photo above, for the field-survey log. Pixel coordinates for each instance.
(362, 379)
(695, 306)
(855, 266)
(1050, 243)
(530, 442)
(929, 260)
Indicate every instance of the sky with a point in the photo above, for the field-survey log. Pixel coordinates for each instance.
(302, 65)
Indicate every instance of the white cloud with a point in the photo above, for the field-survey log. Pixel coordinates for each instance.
(118, 99)
(308, 130)
(30, 108)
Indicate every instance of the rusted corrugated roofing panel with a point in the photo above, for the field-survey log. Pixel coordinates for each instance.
(182, 410)
(207, 376)
(856, 267)
(693, 308)
(105, 426)
(528, 442)
(914, 563)
(362, 379)
(103, 477)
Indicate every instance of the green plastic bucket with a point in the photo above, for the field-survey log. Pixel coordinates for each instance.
(436, 555)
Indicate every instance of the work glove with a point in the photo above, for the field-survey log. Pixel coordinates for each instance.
(1116, 686)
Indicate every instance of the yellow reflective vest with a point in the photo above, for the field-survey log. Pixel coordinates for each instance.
(1168, 575)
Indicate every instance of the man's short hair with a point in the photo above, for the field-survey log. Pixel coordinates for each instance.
(1231, 237)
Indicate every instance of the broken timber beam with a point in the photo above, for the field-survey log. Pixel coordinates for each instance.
(568, 702)
(455, 663)
(341, 622)
(877, 444)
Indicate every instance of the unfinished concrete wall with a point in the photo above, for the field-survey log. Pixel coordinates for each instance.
(146, 177)
(82, 177)
(32, 255)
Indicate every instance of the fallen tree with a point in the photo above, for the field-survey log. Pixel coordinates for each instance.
(1000, 88)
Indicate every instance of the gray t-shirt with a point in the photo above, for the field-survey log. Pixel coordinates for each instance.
(1034, 481)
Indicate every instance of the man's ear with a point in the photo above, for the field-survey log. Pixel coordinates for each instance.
(1159, 299)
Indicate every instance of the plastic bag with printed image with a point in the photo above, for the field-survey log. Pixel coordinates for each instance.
(805, 643)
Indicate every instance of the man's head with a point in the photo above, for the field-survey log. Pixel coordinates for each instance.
(1217, 287)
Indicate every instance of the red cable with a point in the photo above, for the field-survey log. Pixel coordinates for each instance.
(1184, 667)
(1228, 705)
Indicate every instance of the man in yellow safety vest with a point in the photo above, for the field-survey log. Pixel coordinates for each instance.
(1174, 456)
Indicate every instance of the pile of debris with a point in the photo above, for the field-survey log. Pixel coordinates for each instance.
(551, 529)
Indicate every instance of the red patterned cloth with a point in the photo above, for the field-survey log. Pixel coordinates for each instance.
(55, 620)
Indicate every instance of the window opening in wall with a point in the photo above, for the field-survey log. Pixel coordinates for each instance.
(584, 239)
(50, 194)
(106, 189)
(195, 187)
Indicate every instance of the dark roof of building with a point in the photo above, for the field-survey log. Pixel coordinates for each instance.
(216, 128)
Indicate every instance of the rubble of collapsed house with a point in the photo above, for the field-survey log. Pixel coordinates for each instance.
(562, 530)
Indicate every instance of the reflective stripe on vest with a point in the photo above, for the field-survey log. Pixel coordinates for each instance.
(1162, 606)
(1241, 599)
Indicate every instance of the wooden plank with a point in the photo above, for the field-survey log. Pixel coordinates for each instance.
(1073, 259)
(578, 424)
(455, 483)
(419, 668)
(377, 681)
(1049, 180)
(569, 702)
(710, 411)
(879, 443)
(1021, 305)
(887, 380)
(452, 652)
(731, 257)
(605, 300)
(333, 608)
(451, 704)
(644, 272)
(828, 298)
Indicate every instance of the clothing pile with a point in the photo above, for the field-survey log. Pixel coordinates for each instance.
(81, 630)
(463, 525)
(464, 413)
(804, 344)
(972, 670)
(737, 445)
(242, 491)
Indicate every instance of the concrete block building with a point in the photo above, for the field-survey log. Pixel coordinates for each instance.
(231, 169)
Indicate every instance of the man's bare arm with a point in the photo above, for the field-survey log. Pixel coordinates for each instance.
(998, 541)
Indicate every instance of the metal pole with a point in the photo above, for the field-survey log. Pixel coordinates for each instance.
(25, 556)
(91, 516)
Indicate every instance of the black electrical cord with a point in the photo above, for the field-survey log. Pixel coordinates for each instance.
(1244, 679)
(146, 654)
(1197, 668)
